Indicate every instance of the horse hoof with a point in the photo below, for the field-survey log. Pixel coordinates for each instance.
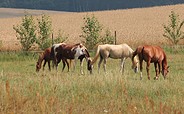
(155, 78)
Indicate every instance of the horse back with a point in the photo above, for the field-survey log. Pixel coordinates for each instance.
(155, 53)
(47, 54)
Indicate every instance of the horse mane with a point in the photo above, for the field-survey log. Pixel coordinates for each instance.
(164, 61)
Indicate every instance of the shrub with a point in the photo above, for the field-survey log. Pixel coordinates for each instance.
(108, 38)
(44, 32)
(91, 31)
(60, 37)
(26, 32)
(172, 31)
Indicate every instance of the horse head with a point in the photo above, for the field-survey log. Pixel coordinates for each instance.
(135, 63)
(165, 71)
(38, 64)
(89, 66)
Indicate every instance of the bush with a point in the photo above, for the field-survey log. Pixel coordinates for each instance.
(60, 37)
(108, 38)
(44, 32)
(172, 31)
(26, 32)
(91, 31)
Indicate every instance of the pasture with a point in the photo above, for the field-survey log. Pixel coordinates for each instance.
(23, 90)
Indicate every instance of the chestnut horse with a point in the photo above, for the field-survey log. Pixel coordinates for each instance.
(68, 51)
(122, 51)
(46, 57)
(152, 54)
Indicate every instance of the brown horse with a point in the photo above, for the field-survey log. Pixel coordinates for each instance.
(46, 57)
(67, 51)
(152, 54)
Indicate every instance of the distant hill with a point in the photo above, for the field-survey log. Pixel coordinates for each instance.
(84, 5)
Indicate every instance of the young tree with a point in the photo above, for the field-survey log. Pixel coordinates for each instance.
(44, 32)
(60, 37)
(26, 32)
(91, 31)
(172, 31)
(108, 38)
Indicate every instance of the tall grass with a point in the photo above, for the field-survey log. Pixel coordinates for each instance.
(25, 91)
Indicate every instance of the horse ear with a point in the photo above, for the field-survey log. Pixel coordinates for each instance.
(168, 67)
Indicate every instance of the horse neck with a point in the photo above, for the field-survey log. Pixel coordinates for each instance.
(41, 57)
(164, 62)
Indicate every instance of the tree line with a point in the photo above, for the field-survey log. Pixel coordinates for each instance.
(84, 5)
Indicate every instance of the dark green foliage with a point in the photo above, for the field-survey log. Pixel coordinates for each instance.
(26, 32)
(173, 31)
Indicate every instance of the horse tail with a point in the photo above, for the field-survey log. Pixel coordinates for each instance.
(96, 56)
(52, 53)
(138, 51)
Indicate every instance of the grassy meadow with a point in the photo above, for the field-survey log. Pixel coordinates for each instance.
(25, 91)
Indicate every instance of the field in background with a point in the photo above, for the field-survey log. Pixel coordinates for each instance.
(23, 90)
(133, 26)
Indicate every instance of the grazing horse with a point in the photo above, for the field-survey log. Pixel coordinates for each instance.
(53, 55)
(122, 51)
(152, 54)
(46, 57)
(76, 51)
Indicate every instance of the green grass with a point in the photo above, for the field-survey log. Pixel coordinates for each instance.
(22, 90)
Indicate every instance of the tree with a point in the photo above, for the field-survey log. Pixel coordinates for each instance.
(26, 32)
(108, 38)
(172, 31)
(44, 32)
(91, 31)
(60, 37)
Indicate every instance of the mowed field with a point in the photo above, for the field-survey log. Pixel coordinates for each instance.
(22, 90)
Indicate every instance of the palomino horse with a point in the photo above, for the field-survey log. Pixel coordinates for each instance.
(152, 54)
(76, 51)
(122, 51)
(46, 57)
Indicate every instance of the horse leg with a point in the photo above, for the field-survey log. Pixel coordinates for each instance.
(44, 64)
(156, 70)
(64, 64)
(49, 65)
(159, 66)
(105, 61)
(81, 66)
(75, 62)
(122, 65)
(67, 63)
(147, 68)
(141, 61)
(99, 63)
